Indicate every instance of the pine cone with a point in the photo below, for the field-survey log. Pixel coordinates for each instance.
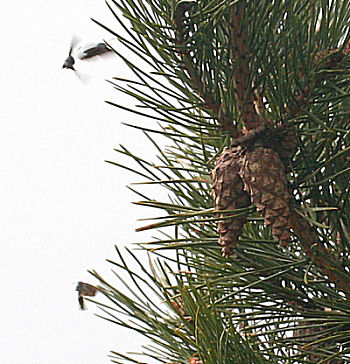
(264, 179)
(228, 194)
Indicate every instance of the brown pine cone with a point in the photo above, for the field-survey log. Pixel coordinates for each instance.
(264, 179)
(228, 194)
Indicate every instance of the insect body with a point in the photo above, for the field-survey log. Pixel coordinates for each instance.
(85, 289)
(69, 62)
(97, 50)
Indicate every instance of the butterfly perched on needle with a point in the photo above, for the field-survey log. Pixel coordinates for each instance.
(85, 289)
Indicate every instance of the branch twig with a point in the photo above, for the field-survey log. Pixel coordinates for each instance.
(240, 59)
(212, 104)
(322, 258)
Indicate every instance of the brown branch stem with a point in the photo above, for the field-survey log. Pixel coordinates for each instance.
(211, 104)
(315, 250)
(240, 55)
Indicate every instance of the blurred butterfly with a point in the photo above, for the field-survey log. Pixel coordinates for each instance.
(97, 50)
(90, 53)
(69, 62)
(85, 289)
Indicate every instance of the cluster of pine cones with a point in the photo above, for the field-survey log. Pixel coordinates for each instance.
(254, 173)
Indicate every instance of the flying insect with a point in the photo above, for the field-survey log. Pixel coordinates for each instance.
(97, 50)
(85, 289)
(69, 62)
(89, 53)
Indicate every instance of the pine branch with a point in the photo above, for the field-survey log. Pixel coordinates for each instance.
(217, 55)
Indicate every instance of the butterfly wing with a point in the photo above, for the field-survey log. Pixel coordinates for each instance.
(75, 40)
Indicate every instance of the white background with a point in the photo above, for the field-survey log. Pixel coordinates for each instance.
(62, 207)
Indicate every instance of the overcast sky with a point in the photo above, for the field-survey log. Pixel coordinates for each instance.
(62, 207)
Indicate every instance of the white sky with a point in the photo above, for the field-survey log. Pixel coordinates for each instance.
(62, 207)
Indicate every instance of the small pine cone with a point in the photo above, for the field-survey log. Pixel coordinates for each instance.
(264, 179)
(228, 194)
